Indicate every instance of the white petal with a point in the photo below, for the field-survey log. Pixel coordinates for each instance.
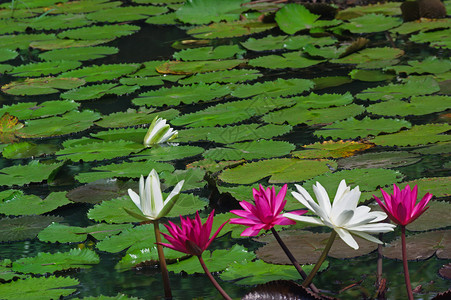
(379, 216)
(374, 228)
(167, 135)
(135, 198)
(367, 236)
(303, 192)
(174, 192)
(157, 197)
(302, 200)
(304, 219)
(342, 218)
(146, 200)
(347, 238)
(341, 191)
(322, 197)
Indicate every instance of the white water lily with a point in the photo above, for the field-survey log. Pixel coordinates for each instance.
(150, 198)
(159, 132)
(342, 215)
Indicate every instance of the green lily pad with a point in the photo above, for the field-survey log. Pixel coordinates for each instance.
(182, 94)
(83, 7)
(169, 153)
(213, 166)
(435, 185)
(231, 112)
(101, 72)
(227, 76)
(139, 235)
(422, 246)
(331, 149)
(201, 66)
(117, 297)
(422, 25)
(330, 81)
(430, 65)
(229, 29)
(38, 288)
(41, 86)
(73, 121)
(296, 42)
(279, 87)
(204, 12)
(56, 232)
(414, 86)
(387, 159)
(33, 205)
(369, 55)
(244, 132)
(194, 179)
(216, 261)
(439, 148)
(352, 128)
(163, 19)
(294, 17)
(388, 8)
(370, 75)
(133, 117)
(129, 170)
(31, 110)
(142, 81)
(55, 22)
(30, 4)
(99, 150)
(24, 174)
(209, 53)
(148, 254)
(99, 32)
(437, 39)
(370, 23)
(97, 91)
(125, 13)
(127, 134)
(24, 227)
(23, 41)
(300, 114)
(324, 52)
(27, 150)
(417, 135)
(49, 263)
(250, 150)
(101, 190)
(7, 54)
(6, 274)
(54, 44)
(417, 105)
(78, 54)
(280, 171)
(293, 60)
(307, 247)
(435, 217)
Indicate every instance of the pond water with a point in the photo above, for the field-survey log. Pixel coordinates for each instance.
(358, 149)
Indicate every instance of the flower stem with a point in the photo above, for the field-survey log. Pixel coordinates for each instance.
(404, 263)
(213, 281)
(164, 269)
(293, 260)
(321, 259)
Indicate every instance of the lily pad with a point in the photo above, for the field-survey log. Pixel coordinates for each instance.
(353, 128)
(143, 81)
(417, 135)
(417, 105)
(201, 66)
(422, 25)
(227, 76)
(39, 288)
(370, 23)
(387, 159)
(31, 110)
(388, 8)
(370, 75)
(169, 153)
(24, 174)
(209, 53)
(434, 185)
(296, 42)
(24, 228)
(54, 44)
(331, 149)
(437, 39)
(430, 65)
(125, 13)
(7, 54)
(43, 68)
(182, 94)
(294, 17)
(54, 22)
(280, 171)
(229, 29)
(148, 254)
(244, 132)
(139, 235)
(49, 263)
(293, 60)
(100, 190)
(99, 32)
(422, 246)
(28, 150)
(279, 87)
(133, 117)
(97, 91)
(206, 11)
(435, 217)
(370, 55)
(41, 86)
(250, 150)
(23, 41)
(33, 205)
(78, 54)
(101, 72)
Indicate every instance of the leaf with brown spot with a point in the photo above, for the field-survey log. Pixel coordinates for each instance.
(331, 149)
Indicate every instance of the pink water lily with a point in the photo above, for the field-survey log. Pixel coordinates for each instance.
(401, 207)
(265, 213)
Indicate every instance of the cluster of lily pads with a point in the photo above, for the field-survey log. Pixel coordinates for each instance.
(259, 93)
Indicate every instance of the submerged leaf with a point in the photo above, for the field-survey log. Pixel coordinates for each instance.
(24, 228)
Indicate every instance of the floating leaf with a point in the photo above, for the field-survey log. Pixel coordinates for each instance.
(100, 190)
(133, 117)
(370, 23)
(41, 86)
(422, 25)
(194, 178)
(83, 7)
(369, 55)
(7, 54)
(389, 8)
(435, 217)
(148, 254)
(209, 53)
(28, 150)
(33, 205)
(6, 274)
(125, 13)
(182, 94)
(200, 66)
(279, 87)
(353, 128)
(370, 75)
(435, 185)
(296, 42)
(169, 153)
(227, 76)
(73, 121)
(239, 133)
(9, 124)
(163, 19)
(78, 54)
(294, 17)
(229, 29)
(293, 60)
(331, 149)
(417, 135)
(56, 232)
(445, 272)
(54, 44)
(324, 52)
(102, 72)
(38, 288)
(142, 81)
(139, 235)
(231, 112)
(30, 110)
(430, 65)
(281, 289)
(98, 91)
(216, 261)
(300, 114)
(99, 32)
(24, 228)
(387, 159)
(422, 246)
(417, 105)
(49, 263)
(439, 148)
(47, 22)
(281, 170)
(24, 174)
(412, 87)
(330, 81)
(250, 150)
(204, 12)
(23, 41)
(44, 68)
(437, 39)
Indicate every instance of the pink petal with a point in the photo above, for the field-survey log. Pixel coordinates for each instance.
(252, 231)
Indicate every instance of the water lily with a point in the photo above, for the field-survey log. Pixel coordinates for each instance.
(193, 237)
(150, 198)
(402, 208)
(159, 132)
